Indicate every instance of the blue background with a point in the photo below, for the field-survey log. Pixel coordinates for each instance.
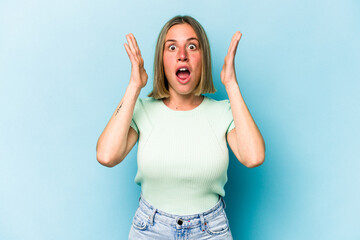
(63, 70)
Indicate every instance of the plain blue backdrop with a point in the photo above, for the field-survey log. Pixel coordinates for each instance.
(63, 70)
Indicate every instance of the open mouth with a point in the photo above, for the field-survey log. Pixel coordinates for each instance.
(183, 73)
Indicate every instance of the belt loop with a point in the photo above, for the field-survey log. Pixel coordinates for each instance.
(223, 201)
(203, 223)
(152, 216)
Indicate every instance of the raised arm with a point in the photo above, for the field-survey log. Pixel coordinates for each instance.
(245, 139)
(118, 138)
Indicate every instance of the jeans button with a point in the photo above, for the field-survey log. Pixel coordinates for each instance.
(180, 221)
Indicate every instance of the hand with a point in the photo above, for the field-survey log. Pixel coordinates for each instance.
(228, 75)
(138, 73)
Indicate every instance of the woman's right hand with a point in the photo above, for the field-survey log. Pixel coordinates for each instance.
(138, 73)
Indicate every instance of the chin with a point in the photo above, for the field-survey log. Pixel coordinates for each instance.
(184, 90)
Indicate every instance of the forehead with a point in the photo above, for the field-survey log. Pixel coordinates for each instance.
(180, 32)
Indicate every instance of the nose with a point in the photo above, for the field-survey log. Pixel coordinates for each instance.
(182, 55)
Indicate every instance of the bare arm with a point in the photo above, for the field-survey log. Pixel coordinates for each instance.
(118, 138)
(245, 139)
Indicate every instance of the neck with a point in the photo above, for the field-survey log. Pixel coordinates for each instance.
(183, 102)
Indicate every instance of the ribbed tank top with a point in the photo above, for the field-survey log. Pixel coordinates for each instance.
(182, 155)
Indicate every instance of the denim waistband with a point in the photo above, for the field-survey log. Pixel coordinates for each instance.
(180, 221)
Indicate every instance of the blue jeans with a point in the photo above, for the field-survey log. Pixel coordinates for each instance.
(151, 223)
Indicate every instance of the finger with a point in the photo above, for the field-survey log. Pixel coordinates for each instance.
(134, 44)
(130, 42)
(134, 59)
(234, 44)
(129, 52)
(236, 41)
(136, 55)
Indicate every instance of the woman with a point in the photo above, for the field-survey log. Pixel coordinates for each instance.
(182, 151)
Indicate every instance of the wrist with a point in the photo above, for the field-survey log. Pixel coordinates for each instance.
(134, 89)
(134, 86)
(231, 85)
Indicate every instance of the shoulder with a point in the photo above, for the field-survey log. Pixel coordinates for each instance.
(146, 103)
(219, 114)
(217, 102)
(218, 105)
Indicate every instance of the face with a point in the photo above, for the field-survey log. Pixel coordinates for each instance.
(182, 59)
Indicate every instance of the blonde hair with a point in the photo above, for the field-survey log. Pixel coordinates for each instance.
(206, 85)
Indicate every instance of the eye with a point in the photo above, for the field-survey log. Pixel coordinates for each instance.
(192, 46)
(172, 47)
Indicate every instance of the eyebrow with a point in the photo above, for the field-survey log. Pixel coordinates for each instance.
(189, 39)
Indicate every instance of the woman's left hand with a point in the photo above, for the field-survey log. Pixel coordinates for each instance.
(228, 75)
